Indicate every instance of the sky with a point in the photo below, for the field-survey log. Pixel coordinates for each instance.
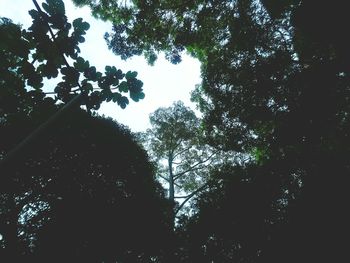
(164, 82)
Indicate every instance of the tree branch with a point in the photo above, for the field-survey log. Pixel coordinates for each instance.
(180, 152)
(190, 196)
(50, 30)
(188, 170)
(176, 176)
(38, 131)
(166, 179)
(181, 197)
(53, 36)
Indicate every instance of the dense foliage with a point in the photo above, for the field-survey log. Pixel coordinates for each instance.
(173, 143)
(184, 160)
(28, 56)
(80, 189)
(85, 193)
(275, 86)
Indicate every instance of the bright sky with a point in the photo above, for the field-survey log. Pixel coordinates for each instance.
(164, 83)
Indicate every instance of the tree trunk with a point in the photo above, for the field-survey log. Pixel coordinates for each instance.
(171, 189)
(171, 179)
(170, 253)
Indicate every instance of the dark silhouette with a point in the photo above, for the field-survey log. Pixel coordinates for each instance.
(86, 193)
(75, 187)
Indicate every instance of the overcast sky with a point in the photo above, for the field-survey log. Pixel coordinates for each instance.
(164, 83)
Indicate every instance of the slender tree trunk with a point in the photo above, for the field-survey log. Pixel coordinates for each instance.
(171, 188)
(171, 179)
(169, 257)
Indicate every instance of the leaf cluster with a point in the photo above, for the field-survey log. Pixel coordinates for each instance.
(28, 56)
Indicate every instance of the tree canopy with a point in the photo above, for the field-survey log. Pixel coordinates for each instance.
(275, 87)
(275, 80)
(179, 150)
(82, 189)
(87, 192)
(29, 56)
(41, 51)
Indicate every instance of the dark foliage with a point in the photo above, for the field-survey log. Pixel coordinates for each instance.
(81, 189)
(275, 86)
(85, 194)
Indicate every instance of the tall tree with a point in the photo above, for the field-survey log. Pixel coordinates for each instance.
(177, 146)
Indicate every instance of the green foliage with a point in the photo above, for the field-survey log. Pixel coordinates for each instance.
(173, 143)
(29, 56)
(180, 152)
(172, 126)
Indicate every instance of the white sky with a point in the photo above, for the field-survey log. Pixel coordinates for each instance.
(164, 83)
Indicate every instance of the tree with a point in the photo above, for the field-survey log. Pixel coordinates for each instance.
(178, 149)
(29, 56)
(234, 220)
(172, 142)
(267, 68)
(83, 190)
(182, 159)
(87, 192)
